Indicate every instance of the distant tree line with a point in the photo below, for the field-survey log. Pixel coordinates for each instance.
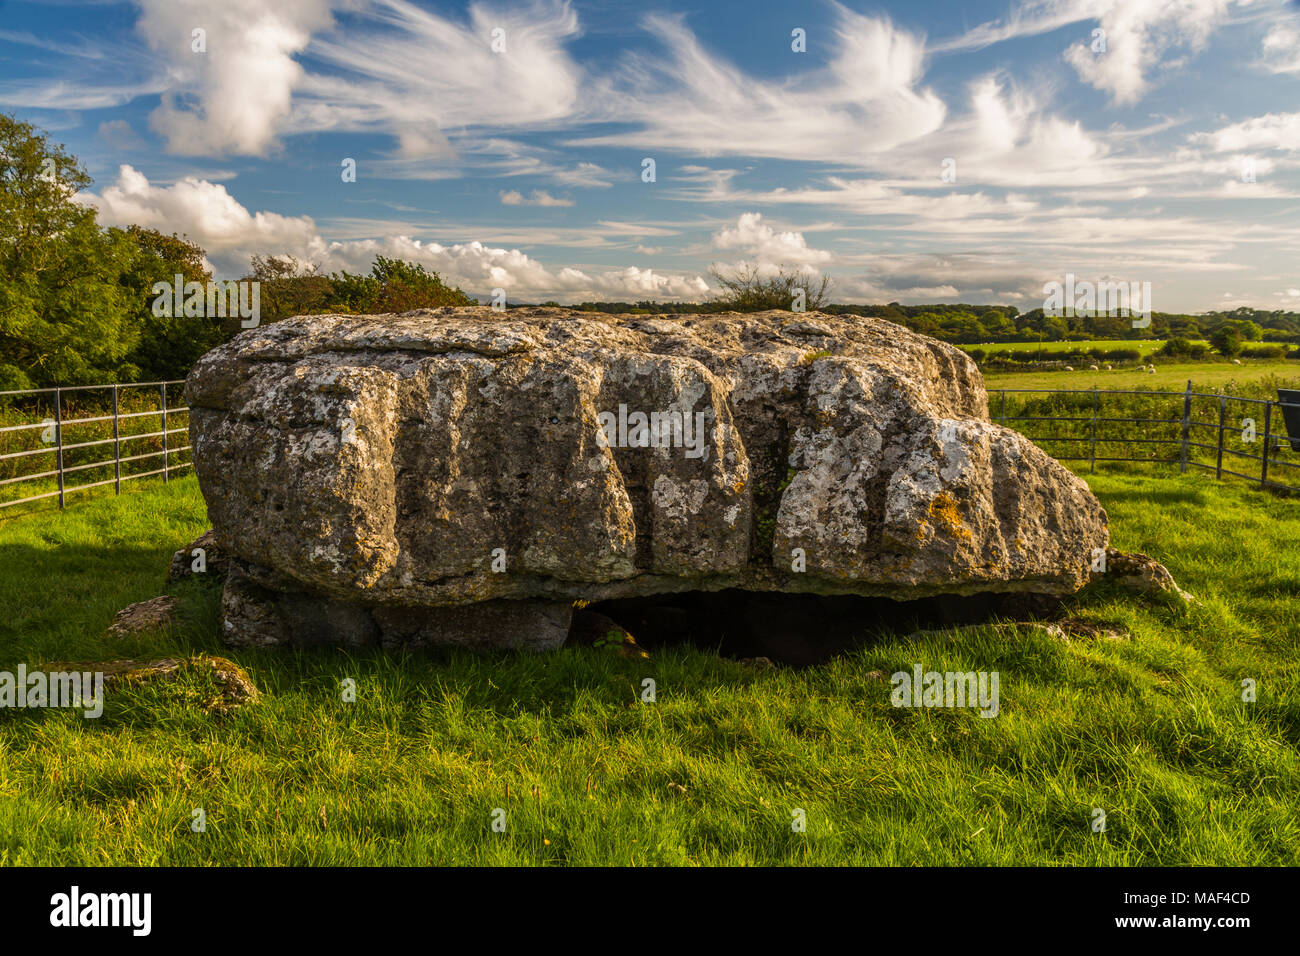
(975, 324)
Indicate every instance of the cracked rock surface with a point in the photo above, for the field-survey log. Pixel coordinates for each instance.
(369, 475)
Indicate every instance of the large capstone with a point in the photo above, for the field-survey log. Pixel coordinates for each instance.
(464, 476)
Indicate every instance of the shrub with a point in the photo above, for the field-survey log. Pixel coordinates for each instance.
(1264, 352)
(745, 290)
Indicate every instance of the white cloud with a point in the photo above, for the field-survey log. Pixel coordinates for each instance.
(210, 216)
(237, 95)
(1138, 35)
(1282, 49)
(410, 69)
(694, 100)
(584, 174)
(1023, 20)
(207, 214)
(766, 246)
(395, 70)
(1012, 141)
(478, 268)
(540, 197)
(1272, 131)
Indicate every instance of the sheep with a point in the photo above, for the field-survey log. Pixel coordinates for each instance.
(1093, 368)
(1236, 361)
(1151, 370)
(1069, 368)
(1109, 369)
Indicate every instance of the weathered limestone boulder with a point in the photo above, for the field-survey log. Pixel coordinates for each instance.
(373, 477)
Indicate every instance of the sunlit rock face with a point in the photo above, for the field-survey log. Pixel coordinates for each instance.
(372, 477)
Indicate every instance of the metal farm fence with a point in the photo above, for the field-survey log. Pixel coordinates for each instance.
(78, 423)
(1166, 425)
(1166, 428)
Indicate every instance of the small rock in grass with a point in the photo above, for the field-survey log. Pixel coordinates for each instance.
(1143, 574)
(1073, 629)
(151, 615)
(235, 687)
(214, 564)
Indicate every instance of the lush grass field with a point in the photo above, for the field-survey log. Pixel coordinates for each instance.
(1173, 376)
(1152, 730)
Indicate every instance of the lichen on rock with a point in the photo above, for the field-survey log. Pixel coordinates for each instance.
(366, 473)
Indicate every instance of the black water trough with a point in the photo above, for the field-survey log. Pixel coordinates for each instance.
(1290, 399)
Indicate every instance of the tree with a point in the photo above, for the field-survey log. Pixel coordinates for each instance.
(167, 345)
(1250, 331)
(963, 327)
(927, 323)
(1226, 340)
(745, 289)
(63, 313)
(393, 286)
(1179, 347)
(289, 287)
(1054, 328)
(998, 325)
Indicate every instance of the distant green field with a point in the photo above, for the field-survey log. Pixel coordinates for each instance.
(1144, 346)
(1247, 379)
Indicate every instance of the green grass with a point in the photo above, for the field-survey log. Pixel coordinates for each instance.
(993, 348)
(1151, 730)
(1204, 376)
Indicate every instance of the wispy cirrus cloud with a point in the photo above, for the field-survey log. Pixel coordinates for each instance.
(692, 100)
(1137, 38)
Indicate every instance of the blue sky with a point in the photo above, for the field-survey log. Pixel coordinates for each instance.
(915, 152)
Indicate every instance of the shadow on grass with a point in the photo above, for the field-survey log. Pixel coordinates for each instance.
(68, 595)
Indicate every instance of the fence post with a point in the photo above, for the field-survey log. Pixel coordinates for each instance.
(1092, 460)
(1268, 420)
(1218, 462)
(1003, 419)
(58, 437)
(163, 391)
(117, 448)
(1187, 427)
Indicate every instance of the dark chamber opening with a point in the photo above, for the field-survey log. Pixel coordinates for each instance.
(801, 629)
